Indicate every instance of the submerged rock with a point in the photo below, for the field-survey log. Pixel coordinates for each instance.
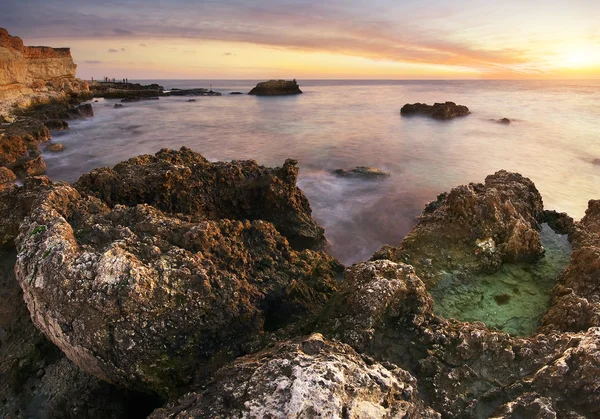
(117, 105)
(55, 147)
(236, 93)
(447, 110)
(505, 121)
(362, 172)
(305, 378)
(276, 88)
(154, 301)
(474, 229)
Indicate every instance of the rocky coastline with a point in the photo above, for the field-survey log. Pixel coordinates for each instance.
(170, 286)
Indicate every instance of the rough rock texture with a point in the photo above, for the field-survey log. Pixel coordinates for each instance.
(362, 172)
(464, 370)
(193, 92)
(55, 147)
(7, 177)
(447, 110)
(576, 297)
(473, 229)
(153, 301)
(36, 379)
(185, 182)
(304, 378)
(276, 88)
(125, 90)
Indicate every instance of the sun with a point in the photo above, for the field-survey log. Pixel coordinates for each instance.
(581, 57)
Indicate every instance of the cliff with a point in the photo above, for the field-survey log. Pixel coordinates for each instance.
(33, 74)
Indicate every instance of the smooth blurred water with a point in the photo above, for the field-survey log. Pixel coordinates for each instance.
(554, 139)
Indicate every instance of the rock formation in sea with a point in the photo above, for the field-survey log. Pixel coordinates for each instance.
(447, 110)
(363, 172)
(276, 88)
(163, 277)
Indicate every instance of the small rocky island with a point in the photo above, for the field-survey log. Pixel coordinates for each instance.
(276, 88)
(362, 172)
(447, 110)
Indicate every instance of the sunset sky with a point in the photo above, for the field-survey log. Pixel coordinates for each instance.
(243, 39)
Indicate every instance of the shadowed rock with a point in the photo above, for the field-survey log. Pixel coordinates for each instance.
(55, 147)
(447, 110)
(362, 172)
(304, 378)
(276, 88)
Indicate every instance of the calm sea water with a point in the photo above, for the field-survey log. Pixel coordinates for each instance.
(554, 139)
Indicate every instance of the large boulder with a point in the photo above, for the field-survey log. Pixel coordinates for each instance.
(473, 229)
(185, 182)
(155, 301)
(276, 88)
(304, 378)
(447, 110)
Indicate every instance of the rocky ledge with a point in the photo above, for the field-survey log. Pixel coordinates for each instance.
(276, 88)
(362, 172)
(202, 284)
(447, 110)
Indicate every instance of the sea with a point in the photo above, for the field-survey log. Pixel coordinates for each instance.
(553, 138)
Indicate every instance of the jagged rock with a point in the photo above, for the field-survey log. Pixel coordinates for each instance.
(193, 92)
(82, 111)
(362, 172)
(304, 378)
(55, 147)
(118, 105)
(185, 182)
(31, 164)
(276, 88)
(154, 301)
(505, 121)
(474, 228)
(576, 297)
(447, 110)
(56, 125)
(120, 90)
(6, 177)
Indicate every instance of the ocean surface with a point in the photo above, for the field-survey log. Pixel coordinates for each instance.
(554, 139)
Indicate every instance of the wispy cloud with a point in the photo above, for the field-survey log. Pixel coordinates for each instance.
(93, 62)
(122, 31)
(143, 45)
(113, 50)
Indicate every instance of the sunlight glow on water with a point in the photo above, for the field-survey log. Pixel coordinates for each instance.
(553, 139)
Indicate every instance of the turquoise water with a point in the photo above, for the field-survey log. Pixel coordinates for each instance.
(512, 299)
(553, 140)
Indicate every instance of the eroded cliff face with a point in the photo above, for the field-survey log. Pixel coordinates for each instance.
(29, 74)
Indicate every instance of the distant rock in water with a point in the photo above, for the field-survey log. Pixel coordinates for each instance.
(276, 88)
(236, 93)
(361, 172)
(138, 99)
(193, 92)
(191, 100)
(446, 110)
(118, 105)
(505, 121)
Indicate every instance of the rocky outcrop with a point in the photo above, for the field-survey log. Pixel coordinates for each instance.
(447, 110)
(473, 229)
(276, 88)
(185, 182)
(55, 147)
(120, 90)
(193, 92)
(363, 172)
(153, 300)
(304, 378)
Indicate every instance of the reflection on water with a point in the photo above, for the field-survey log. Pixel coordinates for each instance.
(553, 140)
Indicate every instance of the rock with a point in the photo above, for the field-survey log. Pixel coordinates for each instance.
(155, 301)
(480, 225)
(56, 125)
(304, 378)
(7, 176)
(55, 147)
(505, 121)
(191, 100)
(7, 119)
(185, 182)
(576, 297)
(82, 111)
(447, 110)
(361, 172)
(276, 88)
(139, 99)
(192, 92)
(118, 105)
(120, 90)
(236, 93)
(31, 164)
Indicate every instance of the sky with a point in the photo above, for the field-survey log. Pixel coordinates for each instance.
(310, 39)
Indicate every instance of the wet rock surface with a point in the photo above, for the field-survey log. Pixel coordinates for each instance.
(447, 110)
(304, 378)
(155, 301)
(55, 147)
(276, 88)
(363, 172)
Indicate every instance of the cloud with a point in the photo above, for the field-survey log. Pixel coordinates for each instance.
(229, 54)
(113, 50)
(188, 51)
(143, 45)
(122, 31)
(93, 62)
(123, 49)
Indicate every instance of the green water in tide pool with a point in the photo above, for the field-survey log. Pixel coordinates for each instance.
(512, 299)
